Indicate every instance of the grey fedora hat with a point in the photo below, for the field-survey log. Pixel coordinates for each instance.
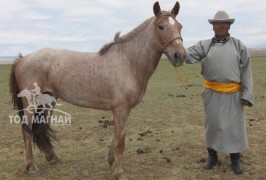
(221, 16)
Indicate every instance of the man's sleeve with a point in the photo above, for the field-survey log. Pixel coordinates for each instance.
(246, 76)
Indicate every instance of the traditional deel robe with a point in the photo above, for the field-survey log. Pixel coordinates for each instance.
(224, 62)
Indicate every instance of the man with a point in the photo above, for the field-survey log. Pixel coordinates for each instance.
(226, 69)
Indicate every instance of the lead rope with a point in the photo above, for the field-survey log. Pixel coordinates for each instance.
(183, 78)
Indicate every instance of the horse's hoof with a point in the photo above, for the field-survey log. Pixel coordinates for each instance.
(34, 172)
(55, 160)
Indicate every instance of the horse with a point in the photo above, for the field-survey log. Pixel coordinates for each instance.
(113, 79)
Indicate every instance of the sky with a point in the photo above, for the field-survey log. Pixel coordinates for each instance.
(86, 25)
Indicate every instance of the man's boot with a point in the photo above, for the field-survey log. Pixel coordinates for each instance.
(212, 159)
(236, 165)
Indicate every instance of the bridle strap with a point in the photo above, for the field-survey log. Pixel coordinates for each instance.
(168, 42)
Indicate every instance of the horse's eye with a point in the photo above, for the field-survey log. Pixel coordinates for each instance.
(161, 27)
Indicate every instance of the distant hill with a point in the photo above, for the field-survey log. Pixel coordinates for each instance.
(6, 59)
(257, 52)
(252, 51)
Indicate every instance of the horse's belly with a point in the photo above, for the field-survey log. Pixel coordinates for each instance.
(89, 101)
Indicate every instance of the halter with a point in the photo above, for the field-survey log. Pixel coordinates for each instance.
(183, 80)
(168, 42)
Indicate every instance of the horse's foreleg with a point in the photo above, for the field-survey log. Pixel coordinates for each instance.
(118, 143)
(31, 167)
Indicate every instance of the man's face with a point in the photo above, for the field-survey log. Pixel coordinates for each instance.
(221, 29)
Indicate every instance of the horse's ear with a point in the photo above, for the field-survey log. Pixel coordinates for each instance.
(156, 9)
(175, 9)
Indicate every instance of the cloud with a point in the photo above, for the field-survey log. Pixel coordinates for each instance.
(87, 25)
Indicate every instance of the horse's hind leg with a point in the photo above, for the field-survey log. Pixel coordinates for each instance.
(118, 143)
(31, 167)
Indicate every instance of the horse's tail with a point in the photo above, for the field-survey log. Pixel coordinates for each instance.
(42, 132)
(14, 90)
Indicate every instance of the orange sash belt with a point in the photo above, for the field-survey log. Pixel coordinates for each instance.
(222, 87)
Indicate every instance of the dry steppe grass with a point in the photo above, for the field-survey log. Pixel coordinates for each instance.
(165, 136)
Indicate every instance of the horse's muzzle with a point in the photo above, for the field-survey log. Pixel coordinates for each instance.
(179, 58)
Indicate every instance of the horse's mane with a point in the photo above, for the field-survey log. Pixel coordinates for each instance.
(126, 37)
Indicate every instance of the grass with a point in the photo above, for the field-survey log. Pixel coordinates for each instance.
(165, 136)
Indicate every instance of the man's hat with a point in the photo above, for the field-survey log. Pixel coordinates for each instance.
(221, 16)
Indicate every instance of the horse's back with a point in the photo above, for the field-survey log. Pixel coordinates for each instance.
(38, 66)
(44, 59)
(54, 55)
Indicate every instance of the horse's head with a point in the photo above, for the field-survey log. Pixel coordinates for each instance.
(168, 34)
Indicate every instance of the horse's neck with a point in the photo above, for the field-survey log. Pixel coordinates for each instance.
(144, 52)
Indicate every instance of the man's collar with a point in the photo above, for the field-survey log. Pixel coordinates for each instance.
(221, 41)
